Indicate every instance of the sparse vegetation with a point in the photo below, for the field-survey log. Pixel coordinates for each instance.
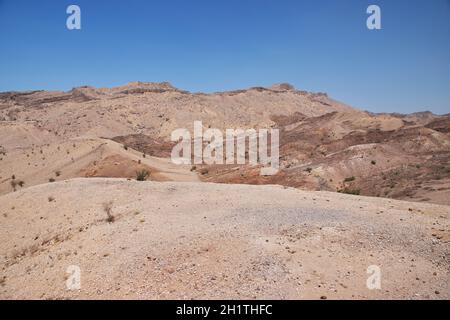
(51, 199)
(107, 207)
(373, 162)
(309, 169)
(355, 192)
(142, 175)
(14, 185)
(51, 180)
(57, 173)
(349, 179)
(193, 168)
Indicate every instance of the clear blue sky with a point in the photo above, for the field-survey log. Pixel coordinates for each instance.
(216, 45)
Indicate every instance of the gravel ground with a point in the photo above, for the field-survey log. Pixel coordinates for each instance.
(198, 240)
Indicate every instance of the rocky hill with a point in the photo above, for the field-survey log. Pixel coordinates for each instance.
(325, 144)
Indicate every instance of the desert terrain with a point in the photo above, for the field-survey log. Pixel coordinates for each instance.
(355, 189)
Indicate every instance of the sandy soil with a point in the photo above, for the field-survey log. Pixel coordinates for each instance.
(198, 240)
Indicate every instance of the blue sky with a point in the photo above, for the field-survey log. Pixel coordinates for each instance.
(212, 45)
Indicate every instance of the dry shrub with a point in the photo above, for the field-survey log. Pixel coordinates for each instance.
(107, 207)
(142, 175)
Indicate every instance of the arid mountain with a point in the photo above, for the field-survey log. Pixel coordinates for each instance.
(325, 145)
(359, 153)
(150, 109)
(69, 162)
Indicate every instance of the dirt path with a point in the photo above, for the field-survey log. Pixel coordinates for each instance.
(84, 157)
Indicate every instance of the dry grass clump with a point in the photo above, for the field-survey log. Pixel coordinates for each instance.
(107, 207)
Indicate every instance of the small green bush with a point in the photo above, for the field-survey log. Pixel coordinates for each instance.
(142, 175)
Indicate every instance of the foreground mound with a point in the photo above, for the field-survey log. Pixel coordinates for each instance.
(191, 240)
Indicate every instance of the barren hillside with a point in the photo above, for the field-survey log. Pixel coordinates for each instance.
(154, 109)
(325, 145)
